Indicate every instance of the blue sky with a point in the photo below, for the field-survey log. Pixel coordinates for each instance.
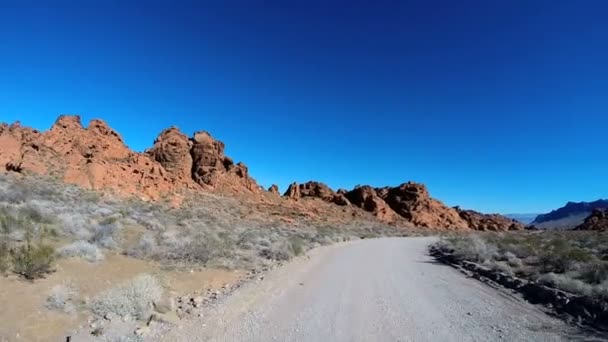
(499, 106)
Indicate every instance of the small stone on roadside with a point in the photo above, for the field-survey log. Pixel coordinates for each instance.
(110, 316)
(164, 305)
(142, 331)
(96, 324)
(198, 301)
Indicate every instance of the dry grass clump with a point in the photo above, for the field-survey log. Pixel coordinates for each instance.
(572, 261)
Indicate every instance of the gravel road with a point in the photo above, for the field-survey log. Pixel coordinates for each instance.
(372, 290)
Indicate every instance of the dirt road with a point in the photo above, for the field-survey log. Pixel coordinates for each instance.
(372, 290)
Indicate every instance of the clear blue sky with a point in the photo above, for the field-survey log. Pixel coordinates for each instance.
(499, 106)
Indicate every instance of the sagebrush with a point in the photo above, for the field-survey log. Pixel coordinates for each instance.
(574, 261)
(134, 297)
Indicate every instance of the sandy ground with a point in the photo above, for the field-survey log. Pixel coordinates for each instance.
(373, 290)
(24, 317)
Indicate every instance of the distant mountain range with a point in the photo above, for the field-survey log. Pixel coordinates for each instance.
(568, 216)
(523, 218)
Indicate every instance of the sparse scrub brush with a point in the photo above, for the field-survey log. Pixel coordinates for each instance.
(104, 235)
(30, 213)
(10, 221)
(595, 273)
(296, 245)
(62, 298)
(33, 260)
(279, 250)
(81, 249)
(4, 257)
(134, 297)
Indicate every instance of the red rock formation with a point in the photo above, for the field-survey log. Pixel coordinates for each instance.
(413, 202)
(293, 192)
(96, 157)
(172, 150)
(489, 222)
(315, 190)
(366, 198)
(274, 189)
(597, 221)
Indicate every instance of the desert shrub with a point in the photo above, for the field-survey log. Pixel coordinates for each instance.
(13, 192)
(569, 282)
(146, 246)
(62, 298)
(562, 258)
(280, 251)
(76, 225)
(10, 221)
(201, 249)
(32, 214)
(104, 235)
(571, 261)
(4, 256)
(81, 249)
(33, 260)
(296, 245)
(473, 248)
(500, 266)
(595, 273)
(133, 297)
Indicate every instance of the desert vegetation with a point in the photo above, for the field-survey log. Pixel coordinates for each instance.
(44, 223)
(576, 262)
(42, 220)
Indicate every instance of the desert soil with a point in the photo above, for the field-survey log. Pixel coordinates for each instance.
(374, 290)
(24, 317)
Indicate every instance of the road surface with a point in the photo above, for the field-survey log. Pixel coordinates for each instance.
(373, 290)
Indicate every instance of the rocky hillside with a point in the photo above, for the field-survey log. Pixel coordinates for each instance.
(598, 221)
(95, 157)
(568, 216)
(409, 202)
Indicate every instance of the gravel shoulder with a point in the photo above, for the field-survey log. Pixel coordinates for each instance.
(373, 290)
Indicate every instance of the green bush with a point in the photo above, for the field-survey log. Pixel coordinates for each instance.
(31, 260)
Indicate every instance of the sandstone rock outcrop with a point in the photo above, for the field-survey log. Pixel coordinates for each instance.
(597, 221)
(366, 198)
(172, 150)
(274, 189)
(293, 192)
(315, 190)
(413, 202)
(97, 158)
(489, 222)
